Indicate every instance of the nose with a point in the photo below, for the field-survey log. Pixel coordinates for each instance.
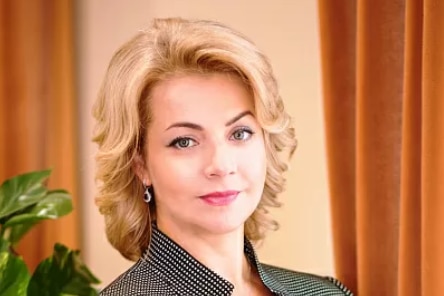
(221, 161)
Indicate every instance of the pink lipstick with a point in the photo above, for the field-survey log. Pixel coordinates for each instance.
(220, 198)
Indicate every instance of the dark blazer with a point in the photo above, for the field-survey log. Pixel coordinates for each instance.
(166, 269)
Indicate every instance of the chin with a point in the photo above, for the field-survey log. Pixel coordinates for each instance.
(225, 225)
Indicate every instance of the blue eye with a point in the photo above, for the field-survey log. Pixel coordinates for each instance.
(242, 134)
(182, 143)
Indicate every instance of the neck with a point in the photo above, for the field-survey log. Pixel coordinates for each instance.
(222, 253)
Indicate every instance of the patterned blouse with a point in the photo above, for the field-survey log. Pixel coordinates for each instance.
(165, 269)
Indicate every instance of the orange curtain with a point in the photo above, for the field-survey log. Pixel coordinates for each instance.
(383, 84)
(37, 108)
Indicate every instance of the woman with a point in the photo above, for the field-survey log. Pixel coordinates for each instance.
(189, 128)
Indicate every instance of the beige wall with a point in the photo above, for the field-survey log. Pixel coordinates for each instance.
(287, 31)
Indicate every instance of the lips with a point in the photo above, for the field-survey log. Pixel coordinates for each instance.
(220, 198)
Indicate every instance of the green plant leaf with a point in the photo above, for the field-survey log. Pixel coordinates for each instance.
(14, 275)
(20, 192)
(62, 273)
(4, 245)
(54, 205)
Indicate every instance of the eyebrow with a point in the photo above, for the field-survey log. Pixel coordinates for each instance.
(200, 128)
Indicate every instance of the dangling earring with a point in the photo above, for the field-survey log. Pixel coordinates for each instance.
(147, 194)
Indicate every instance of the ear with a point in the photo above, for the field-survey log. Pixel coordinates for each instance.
(141, 170)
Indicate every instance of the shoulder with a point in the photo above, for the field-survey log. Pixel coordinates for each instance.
(139, 280)
(307, 284)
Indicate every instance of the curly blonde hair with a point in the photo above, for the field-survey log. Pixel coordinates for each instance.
(169, 47)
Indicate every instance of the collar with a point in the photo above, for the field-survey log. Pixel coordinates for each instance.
(189, 276)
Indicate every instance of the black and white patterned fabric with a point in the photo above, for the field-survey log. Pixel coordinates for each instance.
(166, 269)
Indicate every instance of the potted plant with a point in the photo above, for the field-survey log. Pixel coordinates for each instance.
(24, 202)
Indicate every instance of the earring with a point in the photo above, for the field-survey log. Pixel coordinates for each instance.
(147, 194)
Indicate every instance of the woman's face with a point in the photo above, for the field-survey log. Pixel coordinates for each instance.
(205, 154)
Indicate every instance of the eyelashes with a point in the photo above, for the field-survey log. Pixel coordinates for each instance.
(182, 143)
(241, 134)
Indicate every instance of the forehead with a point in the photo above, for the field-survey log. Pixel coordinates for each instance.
(198, 95)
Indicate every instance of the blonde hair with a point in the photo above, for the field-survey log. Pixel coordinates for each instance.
(170, 47)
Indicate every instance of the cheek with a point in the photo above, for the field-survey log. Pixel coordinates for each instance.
(253, 163)
(171, 175)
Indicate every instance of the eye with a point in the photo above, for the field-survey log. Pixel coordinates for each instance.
(182, 143)
(242, 134)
